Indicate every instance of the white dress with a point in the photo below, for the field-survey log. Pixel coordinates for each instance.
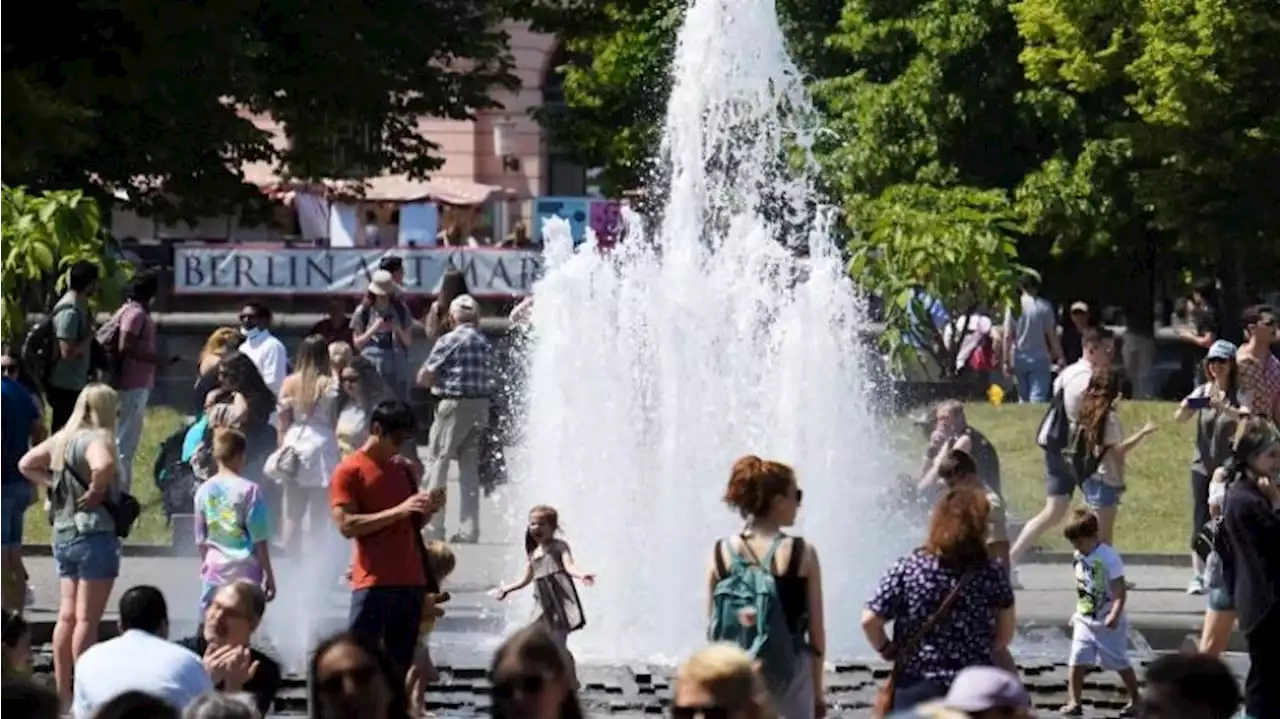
(312, 437)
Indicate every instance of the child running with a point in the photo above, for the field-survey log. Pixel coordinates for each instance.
(232, 530)
(1100, 629)
(551, 570)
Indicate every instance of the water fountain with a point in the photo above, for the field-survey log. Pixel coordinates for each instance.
(655, 365)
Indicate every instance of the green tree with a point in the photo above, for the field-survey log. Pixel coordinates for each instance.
(1167, 123)
(147, 96)
(617, 79)
(928, 140)
(953, 245)
(43, 235)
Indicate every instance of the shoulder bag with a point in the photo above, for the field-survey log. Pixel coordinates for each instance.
(124, 511)
(883, 705)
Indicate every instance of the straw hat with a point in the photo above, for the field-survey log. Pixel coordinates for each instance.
(381, 284)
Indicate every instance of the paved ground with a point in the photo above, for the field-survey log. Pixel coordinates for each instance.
(1161, 613)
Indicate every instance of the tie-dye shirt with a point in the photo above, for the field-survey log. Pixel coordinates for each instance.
(231, 517)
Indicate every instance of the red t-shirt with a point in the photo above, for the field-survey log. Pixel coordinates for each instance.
(388, 557)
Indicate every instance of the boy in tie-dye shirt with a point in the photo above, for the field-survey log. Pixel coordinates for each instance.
(232, 529)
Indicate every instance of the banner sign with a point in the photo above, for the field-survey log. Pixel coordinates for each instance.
(604, 217)
(260, 270)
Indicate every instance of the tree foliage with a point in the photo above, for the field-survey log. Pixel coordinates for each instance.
(616, 77)
(1169, 108)
(953, 245)
(148, 96)
(43, 235)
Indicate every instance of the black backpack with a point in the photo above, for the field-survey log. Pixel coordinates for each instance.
(40, 347)
(1054, 432)
(1080, 456)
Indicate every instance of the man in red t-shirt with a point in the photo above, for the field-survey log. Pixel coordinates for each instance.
(375, 502)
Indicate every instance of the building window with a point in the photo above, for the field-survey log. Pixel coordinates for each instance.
(563, 176)
(344, 150)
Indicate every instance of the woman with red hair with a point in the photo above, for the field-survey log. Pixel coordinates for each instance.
(950, 603)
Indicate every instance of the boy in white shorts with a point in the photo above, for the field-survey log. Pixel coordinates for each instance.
(1100, 629)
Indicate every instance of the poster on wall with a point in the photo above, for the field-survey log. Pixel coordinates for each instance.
(577, 210)
(419, 224)
(604, 217)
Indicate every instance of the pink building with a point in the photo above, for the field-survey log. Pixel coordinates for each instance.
(503, 155)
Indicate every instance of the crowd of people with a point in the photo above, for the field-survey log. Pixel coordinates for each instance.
(296, 453)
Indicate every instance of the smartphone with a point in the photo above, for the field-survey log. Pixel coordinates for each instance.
(1198, 402)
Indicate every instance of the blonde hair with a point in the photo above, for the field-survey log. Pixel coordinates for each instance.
(219, 341)
(340, 353)
(313, 372)
(729, 676)
(96, 409)
(441, 559)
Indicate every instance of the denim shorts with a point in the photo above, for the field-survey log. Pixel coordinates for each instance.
(1059, 477)
(88, 556)
(16, 498)
(1100, 495)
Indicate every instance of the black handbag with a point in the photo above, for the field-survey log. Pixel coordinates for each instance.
(124, 511)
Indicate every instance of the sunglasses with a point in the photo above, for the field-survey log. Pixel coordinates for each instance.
(350, 379)
(525, 685)
(799, 496)
(695, 712)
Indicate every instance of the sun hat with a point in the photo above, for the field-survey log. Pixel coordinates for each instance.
(1221, 350)
(381, 284)
(465, 304)
(980, 689)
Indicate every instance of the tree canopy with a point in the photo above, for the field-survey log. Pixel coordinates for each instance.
(147, 96)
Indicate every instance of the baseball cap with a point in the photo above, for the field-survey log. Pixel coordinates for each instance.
(1221, 350)
(980, 689)
(1080, 307)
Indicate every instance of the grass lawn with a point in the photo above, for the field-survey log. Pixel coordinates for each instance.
(151, 528)
(1155, 516)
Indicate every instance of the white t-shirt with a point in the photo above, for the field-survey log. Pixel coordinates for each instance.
(137, 661)
(270, 357)
(1111, 469)
(1072, 382)
(1095, 572)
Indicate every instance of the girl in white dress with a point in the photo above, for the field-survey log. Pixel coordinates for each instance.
(306, 418)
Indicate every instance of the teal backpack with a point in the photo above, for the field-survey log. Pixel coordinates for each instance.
(746, 587)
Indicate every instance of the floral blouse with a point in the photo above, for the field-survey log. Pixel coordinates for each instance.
(913, 589)
(1262, 379)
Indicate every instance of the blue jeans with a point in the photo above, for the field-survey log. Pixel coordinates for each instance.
(1100, 495)
(16, 498)
(1034, 377)
(133, 411)
(389, 616)
(88, 556)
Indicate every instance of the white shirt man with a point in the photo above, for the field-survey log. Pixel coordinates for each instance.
(267, 353)
(140, 659)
